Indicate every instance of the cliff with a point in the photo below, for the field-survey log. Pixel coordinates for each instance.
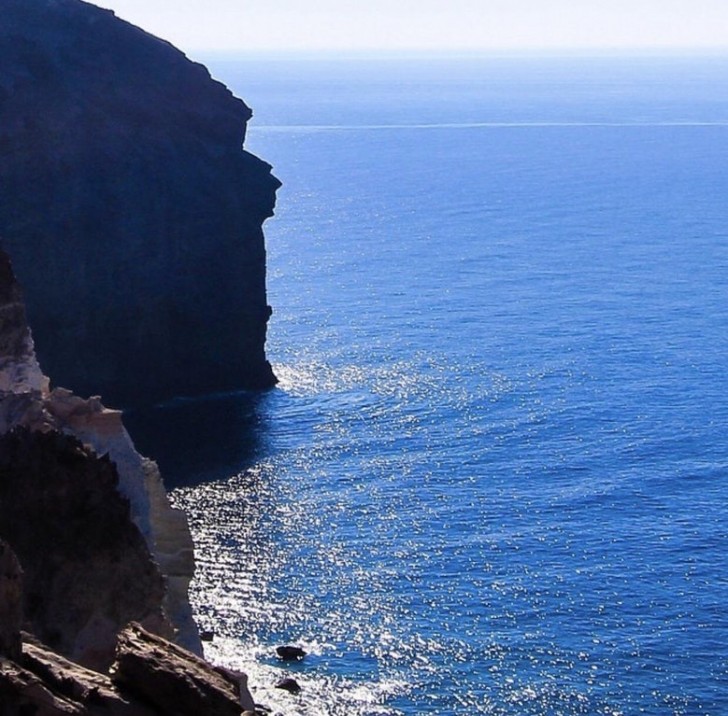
(89, 548)
(98, 539)
(132, 212)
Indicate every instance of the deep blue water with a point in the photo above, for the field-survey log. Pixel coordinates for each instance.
(493, 478)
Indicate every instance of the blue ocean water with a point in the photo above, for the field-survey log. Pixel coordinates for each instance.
(493, 478)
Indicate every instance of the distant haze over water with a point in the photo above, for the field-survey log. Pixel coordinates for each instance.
(432, 25)
(493, 479)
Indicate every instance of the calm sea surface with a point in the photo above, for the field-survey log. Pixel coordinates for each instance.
(493, 478)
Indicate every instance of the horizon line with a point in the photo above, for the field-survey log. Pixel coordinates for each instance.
(467, 53)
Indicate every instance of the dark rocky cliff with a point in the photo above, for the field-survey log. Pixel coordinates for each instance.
(133, 215)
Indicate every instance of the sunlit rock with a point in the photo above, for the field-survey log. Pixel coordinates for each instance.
(149, 667)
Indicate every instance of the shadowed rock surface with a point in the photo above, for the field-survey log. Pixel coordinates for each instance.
(132, 213)
(11, 602)
(42, 683)
(87, 568)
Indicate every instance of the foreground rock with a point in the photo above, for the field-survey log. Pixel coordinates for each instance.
(46, 681)
(152, 678)
(87, 568)
(162, 674)
(132, 213)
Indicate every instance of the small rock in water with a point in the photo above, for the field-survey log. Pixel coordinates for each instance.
(207, 635)
(290, 685)
(290, 653)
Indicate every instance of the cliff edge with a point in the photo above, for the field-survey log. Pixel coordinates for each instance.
(132, 212)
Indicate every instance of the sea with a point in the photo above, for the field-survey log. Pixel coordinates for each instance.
(492, 478)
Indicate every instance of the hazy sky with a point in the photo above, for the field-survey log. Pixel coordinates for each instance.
(430, 24)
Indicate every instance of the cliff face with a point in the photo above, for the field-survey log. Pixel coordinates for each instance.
(89, 544)
(99, 541)
(87, 571)
(133, 215)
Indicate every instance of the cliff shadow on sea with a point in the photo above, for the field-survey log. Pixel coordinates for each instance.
(204, 439)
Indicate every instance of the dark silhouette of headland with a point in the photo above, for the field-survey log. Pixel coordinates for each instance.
(131, 211)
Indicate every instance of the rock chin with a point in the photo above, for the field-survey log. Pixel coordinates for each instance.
(132, 212)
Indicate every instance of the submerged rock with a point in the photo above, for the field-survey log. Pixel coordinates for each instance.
(290, 653)
(290, 685)
(131, 210)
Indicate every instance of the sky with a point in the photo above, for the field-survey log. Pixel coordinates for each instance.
(439, 25)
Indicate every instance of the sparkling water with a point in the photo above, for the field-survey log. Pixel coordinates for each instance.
(493, 477)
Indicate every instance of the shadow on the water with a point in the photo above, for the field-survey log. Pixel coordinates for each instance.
(202, 439)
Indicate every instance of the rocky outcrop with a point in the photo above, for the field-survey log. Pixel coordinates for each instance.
(87, 568)
(161, 674)
(167, 681)
(58, 502)
(133, 215)
(80, 575)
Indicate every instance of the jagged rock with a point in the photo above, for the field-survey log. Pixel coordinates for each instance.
(43, 683)
(19, 369)
(11, 602)
(241, 680)
(133, 214)
(22, 692)
(290, 685)
(26, 401)
(290, 653)
(87, 568)
(163, 675)
(92, 691)
(165, 529)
